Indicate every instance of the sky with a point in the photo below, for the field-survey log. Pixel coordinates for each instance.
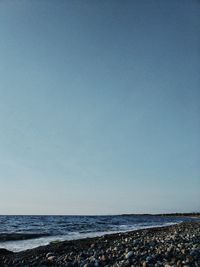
(99, 106)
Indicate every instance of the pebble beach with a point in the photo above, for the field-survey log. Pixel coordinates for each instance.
(176, 245)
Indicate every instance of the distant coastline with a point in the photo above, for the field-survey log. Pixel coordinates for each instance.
(177, 214)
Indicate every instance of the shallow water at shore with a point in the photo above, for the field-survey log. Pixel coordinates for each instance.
(72, 227)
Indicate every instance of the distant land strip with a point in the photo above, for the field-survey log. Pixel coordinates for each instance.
(191, 214)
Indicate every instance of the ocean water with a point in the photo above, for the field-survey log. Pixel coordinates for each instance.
(73, 227)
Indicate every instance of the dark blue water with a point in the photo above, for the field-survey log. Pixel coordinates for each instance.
(74, 227)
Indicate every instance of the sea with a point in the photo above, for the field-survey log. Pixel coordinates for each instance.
(59, 228)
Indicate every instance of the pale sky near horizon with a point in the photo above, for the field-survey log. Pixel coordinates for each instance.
(99, 107)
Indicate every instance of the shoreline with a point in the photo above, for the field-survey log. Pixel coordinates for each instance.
(174, 245)
(26, 236)
(41, 240)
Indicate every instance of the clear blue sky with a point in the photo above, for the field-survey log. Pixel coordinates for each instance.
(99, 106)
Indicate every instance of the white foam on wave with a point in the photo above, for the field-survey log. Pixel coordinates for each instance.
(22, 245)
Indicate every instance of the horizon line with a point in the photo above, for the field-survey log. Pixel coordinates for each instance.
(121, 214)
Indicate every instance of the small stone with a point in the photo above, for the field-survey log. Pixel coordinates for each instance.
(104, 258)
(129, 255)
(149, 258)
(96, 264)
(51, 258)
(49, 254)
